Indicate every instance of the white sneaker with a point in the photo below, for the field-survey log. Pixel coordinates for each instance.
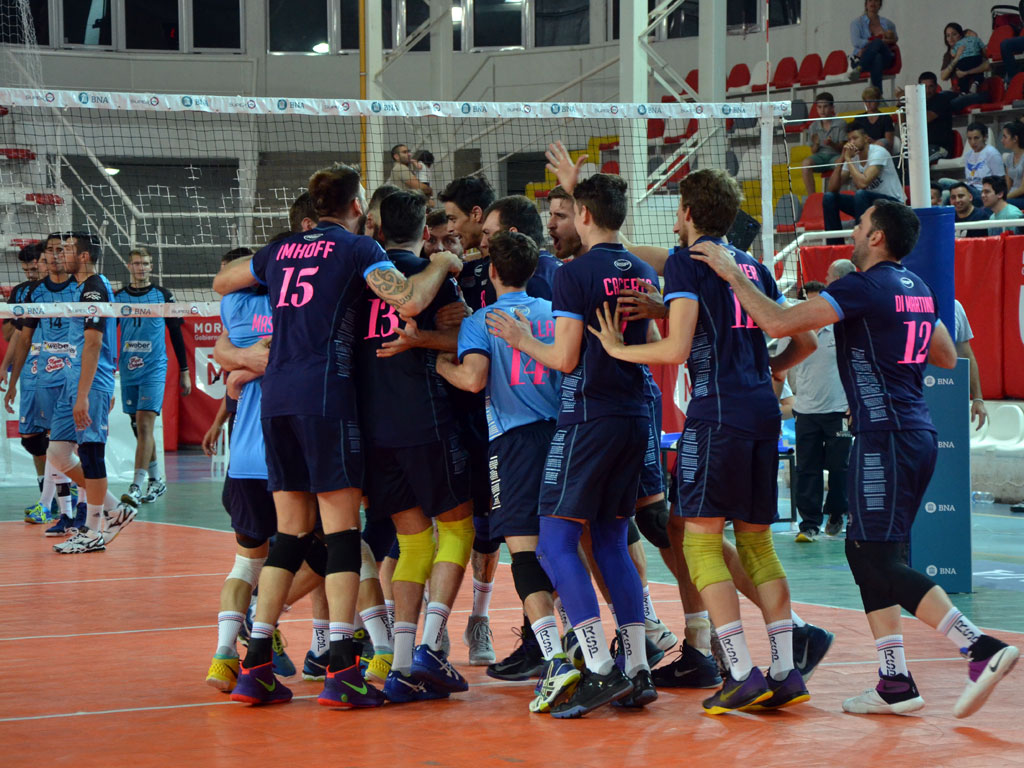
(82, 542)
(154, 490)
(902, 695)
(133, 497)
(984, 673)
(118, 520)
(478, 638)
(660, 635)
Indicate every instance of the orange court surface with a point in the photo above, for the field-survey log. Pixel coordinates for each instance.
(102, 661)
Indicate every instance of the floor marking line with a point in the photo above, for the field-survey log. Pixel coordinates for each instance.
(113, 578)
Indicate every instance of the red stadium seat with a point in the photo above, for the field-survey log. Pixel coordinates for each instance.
(810, 72)
(1000, 33)
(996, 94)
(785, 73)
(655, 129)
(958, 144)
(1015, 90)
(692, 78)
(44, 198)
(611, 167)
(17, 153)
(835, 64)
(812, 217)
(892, 69)
(739, 76)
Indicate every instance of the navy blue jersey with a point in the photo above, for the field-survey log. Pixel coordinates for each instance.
(94, 289)
(732, 383)
(886, 319)
(51, 337)
(478, 290)
(20, 294)
(315, 280)
(601, 385)
(402, 399)
(143, 349)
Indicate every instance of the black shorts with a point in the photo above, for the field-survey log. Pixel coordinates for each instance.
(472, 429)
(312, 454)
(592, 471)
(889, 474)
(250, 506)
(721, 474)
(433, 477)
(516, 462)
(652, 478)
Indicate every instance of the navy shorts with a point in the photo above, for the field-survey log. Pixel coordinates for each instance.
(592, 470)
(889, 473)
(516, 462)
(721, 474)
(473, 432)
(433, 477)
(250, 506)
(312, 454)
(652, 479)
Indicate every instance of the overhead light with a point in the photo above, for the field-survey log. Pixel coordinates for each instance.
(456, 14)
(111, 171)
(322, 48)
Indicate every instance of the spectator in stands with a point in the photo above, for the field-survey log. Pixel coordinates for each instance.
(1008, 50)
(962, 339)
(440, 239)
(938, 105)
(980, 160)
(965, 210)
(1013, 162)
(403, 172)
(872, 36)
(826, 137)
(993, 196)
(964, 60)
(878, 126)
(837, 269)
(936, 194)
(870, 170)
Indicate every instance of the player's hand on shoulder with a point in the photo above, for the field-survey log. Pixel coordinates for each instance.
(451, 315)
(512, 329)
(257, 356)
(716, 256)
(608, 327)
(647, 304)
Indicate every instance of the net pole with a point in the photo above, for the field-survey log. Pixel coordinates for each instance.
(917, 146)
(363, 166)
(766, 127)
(632, 88)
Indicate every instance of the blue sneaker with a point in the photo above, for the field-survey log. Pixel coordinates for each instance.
(63, 525)
(283, 666)
(315, 667)
(434, 667)
(810, 644)
(557, 682)
(346, 689)
(404, 689)
(738, 694)
(81, 513)
(691, 670)
(39, 515)
(246, 629)
(257, 685)
(785, 693)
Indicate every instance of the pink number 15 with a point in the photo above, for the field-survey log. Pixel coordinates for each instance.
(303, 292)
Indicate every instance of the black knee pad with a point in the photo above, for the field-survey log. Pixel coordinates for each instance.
(36, 445)
(379, 535)
(486, 546)
(135, 425)
(652, 521)
(881, 571)
(316, 557)
(63, 489)
(94, 467)
(247, 542)
(528, 575)
(344, 552)
(288, 551)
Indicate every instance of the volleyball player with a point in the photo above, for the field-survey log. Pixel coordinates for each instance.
(310, 419)
(887, 330)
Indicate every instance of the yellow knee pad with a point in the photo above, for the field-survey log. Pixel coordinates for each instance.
(757, 553)
(704, 559)
(416, 556)
(455, 541)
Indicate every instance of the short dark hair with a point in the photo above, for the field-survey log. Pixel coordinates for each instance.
(379, 194)
(436, 217)
(394, 149)
(236, 253)
(333, 189)
(826, 97)
(964, 185)
(518, 211)
(468, 192)
(813, 286)
(402, 217)
(927, 76)
(936, 185)
(998, 184)
(87, 242)
(898, 223)
(30, 252)
(713, 197)
(604, 195)
(514, 256)
(424, 156)
(558, 193)
(301, 209)
(979, 127)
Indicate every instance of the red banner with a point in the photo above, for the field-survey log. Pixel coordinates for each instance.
(197, 411)
(1013, 317)
(979, 287)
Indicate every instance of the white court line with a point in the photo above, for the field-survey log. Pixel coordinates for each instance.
(117, 578)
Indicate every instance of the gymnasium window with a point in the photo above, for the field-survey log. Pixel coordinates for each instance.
(151, 25)
(217, 24)
(12, 28)
(561, 22)
(297, 26)
(87, 23)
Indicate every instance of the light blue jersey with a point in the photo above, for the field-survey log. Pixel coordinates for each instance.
(143, 355)
(51, 337)
(520, 390)
(94, 289)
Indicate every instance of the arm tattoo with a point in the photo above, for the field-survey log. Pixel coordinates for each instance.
(391, 285)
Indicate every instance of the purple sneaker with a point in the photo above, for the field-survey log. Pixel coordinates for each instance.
(988, 662)
(435, 668)
(736, 694)
(894, 695)
(257, 685)
(786, 692)
(346, 689)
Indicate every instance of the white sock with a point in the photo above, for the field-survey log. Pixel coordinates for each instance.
(229, 623)
(546, 632)
(959, 629)
(780, 637)
(634, 648)
(261, 629)
(649, 613)
(375, 620)
(434, 624)
(734, 643)
(49, 489)
(94, 517)
(141, 476)
(153, 470)
(698, 631)
(891, 658)
(340, 630)
(405, 638)
(110, 502)
(320, 642)
(481, 597)
(563, 616)
(797, 621)
(590, 635)
(390, 605)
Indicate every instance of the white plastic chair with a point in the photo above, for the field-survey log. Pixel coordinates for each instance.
(1006, 432)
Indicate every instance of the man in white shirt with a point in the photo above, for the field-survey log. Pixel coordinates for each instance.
(962, 339)
(980, 160)
(869, 168)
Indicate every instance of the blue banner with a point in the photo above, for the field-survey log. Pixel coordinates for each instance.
(932, 259)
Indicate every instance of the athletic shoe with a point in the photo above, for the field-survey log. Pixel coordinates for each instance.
(786, 692)
(379, 667)
(117, 520)
(896, 695)
(660, 635)
(314, 667)
(283, 666)
(364, 647)
(691, 670)
(594, 691)
(154, 490)
(834, 526)
(557, 682)
(82, 542)
(810, 644)
(737, 694)
(807, 536)
(62, 526)
(434, 667)
(524, 662)
(643, 691)
(480, 641)
(346, 689)
(404, 689)
(31, 512)
(571, 646)
(134, 495)
(223, 672)
(39, 515)
(81, 513)
(257, 685)
(988, 661)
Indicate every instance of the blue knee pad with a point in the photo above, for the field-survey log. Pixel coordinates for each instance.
(611, 554)
(94, 467)
(557, 550)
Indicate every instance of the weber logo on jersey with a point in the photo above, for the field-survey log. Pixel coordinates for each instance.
(60, 348)
(138, 346)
